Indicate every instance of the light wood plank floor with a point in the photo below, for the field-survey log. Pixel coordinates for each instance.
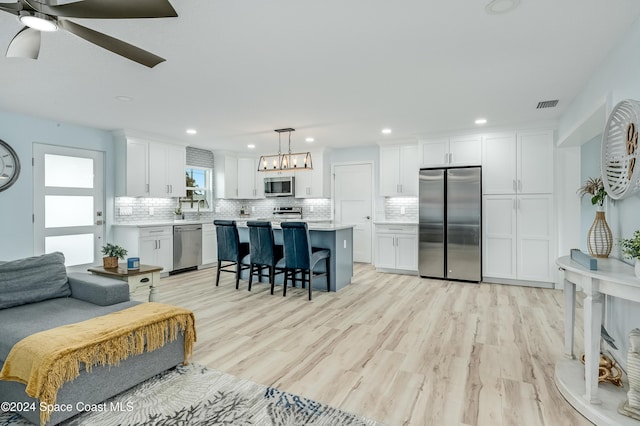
(398, 349)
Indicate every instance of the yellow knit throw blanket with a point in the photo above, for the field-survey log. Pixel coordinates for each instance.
(45, 360)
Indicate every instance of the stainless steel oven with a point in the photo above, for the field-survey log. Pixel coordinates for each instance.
(283, 186)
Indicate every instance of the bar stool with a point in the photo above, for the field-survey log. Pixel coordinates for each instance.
(230, 249)
(265, 254)
(299, 257)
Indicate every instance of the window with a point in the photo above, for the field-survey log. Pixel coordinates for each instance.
(199, 189)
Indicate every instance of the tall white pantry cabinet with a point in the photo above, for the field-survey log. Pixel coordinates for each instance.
(518, 218)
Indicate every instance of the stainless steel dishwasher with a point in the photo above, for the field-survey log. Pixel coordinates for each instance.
(187, 246)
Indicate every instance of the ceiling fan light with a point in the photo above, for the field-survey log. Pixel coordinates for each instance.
(38, 21)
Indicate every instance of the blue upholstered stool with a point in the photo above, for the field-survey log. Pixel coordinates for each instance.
(265, 254)
(230, 249)
(299, 257)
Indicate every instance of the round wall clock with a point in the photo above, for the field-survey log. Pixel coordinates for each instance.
(9, 166)
(620, 164)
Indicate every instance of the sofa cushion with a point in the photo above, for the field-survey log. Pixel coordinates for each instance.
(33, 279)
(21, 321)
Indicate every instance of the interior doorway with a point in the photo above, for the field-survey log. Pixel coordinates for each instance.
(68, 192)
(353, 204)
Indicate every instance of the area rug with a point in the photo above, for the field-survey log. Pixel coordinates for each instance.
(199, 396)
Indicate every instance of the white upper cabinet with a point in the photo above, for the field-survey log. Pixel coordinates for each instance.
(315, 183)
(454, 151)
(147, 168)
(518, 164)
(167, 164)
(250, 181)
(535, 162)
(399, 170)
(226, 175)
(499, 168)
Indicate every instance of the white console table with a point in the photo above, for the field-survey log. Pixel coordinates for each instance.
(614, 278)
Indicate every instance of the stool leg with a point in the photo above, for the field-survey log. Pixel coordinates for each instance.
(310, 282)
(250, 275)
(218, 272)
(238, 269)
(273, 280)
(328, 266)
(284, 286)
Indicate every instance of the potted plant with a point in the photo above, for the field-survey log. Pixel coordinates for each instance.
(595, 188)
(112, 252)
(599, 237)
(630, 248)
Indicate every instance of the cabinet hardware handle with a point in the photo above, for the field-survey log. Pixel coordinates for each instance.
(514, 185)
(515, 206)
(446, 157)
(147, 186)
(519, 185)
(518, 204)
(450, 158)
(159, 245)
(144, 280)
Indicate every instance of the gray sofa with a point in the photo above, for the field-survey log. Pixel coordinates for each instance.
(37, 294)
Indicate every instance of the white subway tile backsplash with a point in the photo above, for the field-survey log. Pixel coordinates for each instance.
(401, 208)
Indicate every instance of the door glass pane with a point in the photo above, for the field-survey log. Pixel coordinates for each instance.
(68, 172)
(77, 249)
(65, 210)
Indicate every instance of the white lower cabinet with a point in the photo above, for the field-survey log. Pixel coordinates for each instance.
(153, 245)
(396, 247)
(518, 237)
(209, 244)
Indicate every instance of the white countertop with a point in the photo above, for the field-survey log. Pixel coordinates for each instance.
(395, 222)
(314, 224)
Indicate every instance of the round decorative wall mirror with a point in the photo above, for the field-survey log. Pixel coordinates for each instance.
(620, 168)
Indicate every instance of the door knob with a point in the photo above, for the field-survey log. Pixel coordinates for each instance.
(367, 217)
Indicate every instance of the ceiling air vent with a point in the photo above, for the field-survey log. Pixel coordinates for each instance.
(547, 104)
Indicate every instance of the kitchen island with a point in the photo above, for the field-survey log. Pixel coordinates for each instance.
(152, 241)
(335, 237)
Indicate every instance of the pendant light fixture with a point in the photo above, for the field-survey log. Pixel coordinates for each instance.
(287, 161)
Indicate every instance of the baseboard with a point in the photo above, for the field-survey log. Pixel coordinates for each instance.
(522, 283)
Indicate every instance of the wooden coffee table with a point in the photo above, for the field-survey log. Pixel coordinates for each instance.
(146, 275)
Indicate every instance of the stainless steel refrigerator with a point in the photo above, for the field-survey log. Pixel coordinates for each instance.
(450, 216)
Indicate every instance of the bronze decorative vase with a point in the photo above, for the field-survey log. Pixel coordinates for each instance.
(599, 237)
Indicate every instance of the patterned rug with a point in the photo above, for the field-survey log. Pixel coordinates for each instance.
(199, 396)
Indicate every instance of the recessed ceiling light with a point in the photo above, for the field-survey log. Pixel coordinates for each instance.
(481, 121)
(496, 7)
(386, 131)
(192, 131)
(251, 146)
(309, 139)
(123, 98)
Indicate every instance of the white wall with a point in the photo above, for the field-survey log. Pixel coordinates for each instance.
(617, 79)
(16, 203)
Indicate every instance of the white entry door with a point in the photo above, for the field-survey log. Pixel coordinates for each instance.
(353, 198)
(68, 203)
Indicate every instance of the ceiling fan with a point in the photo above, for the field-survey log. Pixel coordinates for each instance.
(40, 15)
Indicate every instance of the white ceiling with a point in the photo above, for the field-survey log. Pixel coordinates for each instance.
(336, 70)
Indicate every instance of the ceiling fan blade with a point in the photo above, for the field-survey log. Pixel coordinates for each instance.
(12, 8)
(25, 44)
(119, 47)
(111, 9)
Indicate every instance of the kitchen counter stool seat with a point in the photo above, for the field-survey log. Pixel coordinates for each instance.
(301, 258)
(265, 254)
(230, 249)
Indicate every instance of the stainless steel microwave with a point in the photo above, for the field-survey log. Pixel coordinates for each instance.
(283, 186)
